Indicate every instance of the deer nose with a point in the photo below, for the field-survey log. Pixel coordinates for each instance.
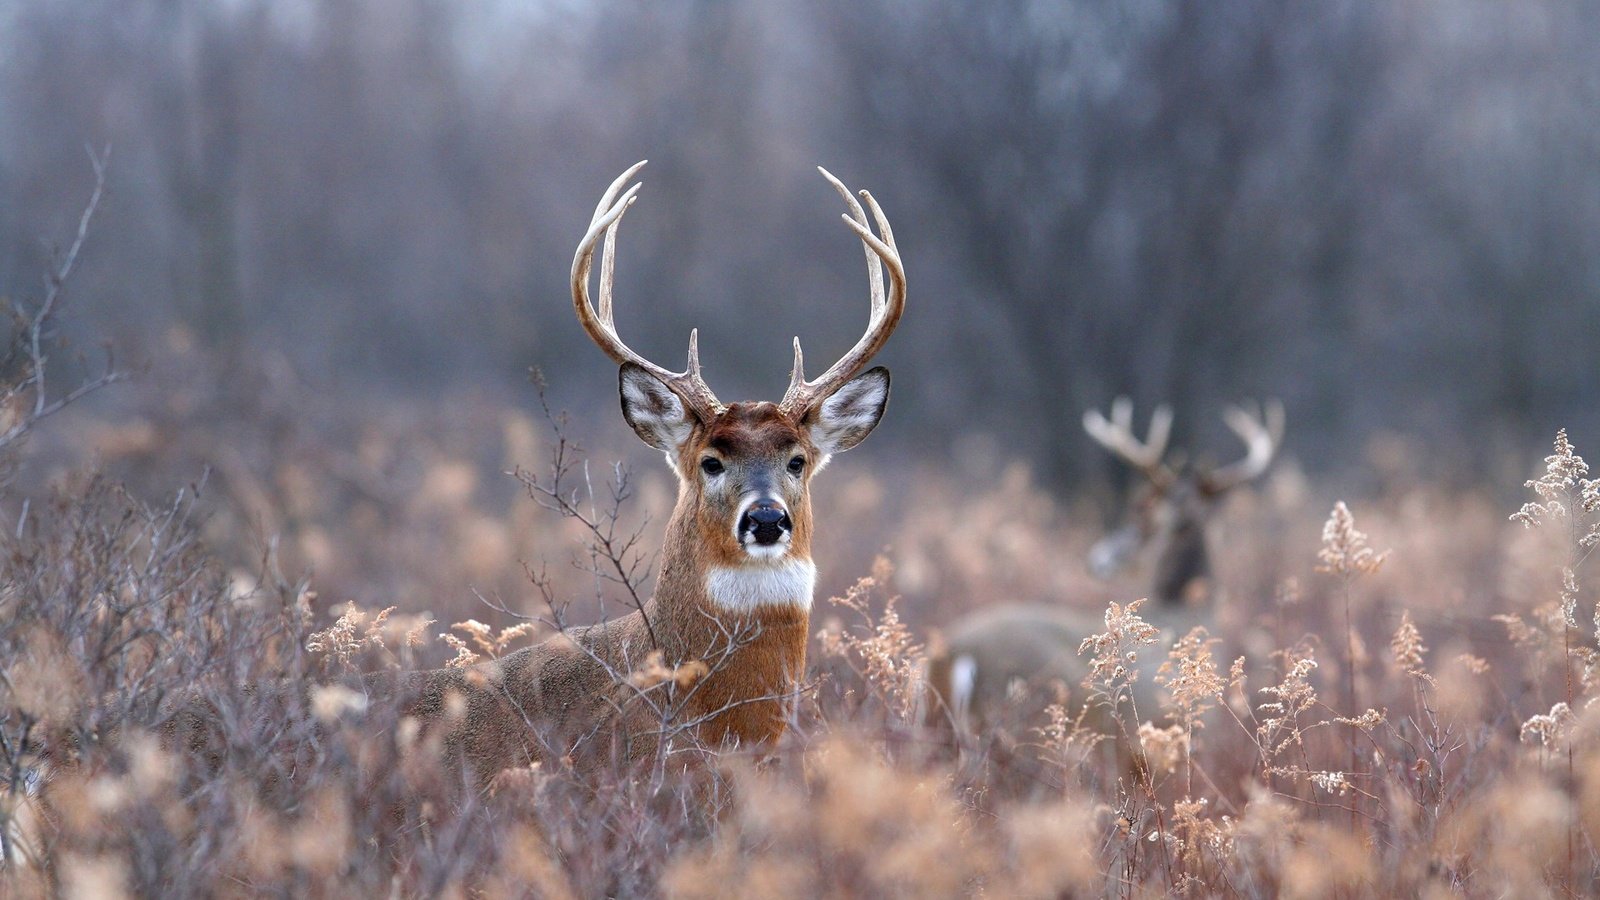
(765, 521)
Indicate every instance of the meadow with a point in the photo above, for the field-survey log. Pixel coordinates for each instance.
(1391, 700)
(334, 234)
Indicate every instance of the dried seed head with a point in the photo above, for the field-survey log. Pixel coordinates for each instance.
(1344, 548)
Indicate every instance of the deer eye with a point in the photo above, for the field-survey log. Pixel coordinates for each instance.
(797, 465)
(711, 465)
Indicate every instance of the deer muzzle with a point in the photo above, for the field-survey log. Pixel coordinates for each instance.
(765, 523)
(1112, 553)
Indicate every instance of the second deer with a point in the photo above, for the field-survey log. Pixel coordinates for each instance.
(1002, 665)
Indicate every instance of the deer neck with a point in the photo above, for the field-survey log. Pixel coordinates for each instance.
(702, 580)
(1182, 565)
(708, 603)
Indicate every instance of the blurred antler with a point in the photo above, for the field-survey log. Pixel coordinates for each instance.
(1262, 433)
(886, 312)
(687, 384)
(1116, 435)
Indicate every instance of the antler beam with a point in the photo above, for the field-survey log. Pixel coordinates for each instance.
(1116, 435)
(885, 310)
(688, 384)
(1262, 433)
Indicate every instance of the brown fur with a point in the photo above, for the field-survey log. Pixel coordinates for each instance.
(746, 431)
(562, 698)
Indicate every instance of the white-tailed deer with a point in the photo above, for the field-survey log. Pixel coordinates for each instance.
(729, 616)
(1006, 663)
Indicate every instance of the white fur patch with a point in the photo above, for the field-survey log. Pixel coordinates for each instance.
(767, 551)
(963, 679)
(750, 587)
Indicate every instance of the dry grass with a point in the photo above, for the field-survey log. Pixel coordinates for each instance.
(1345, 727)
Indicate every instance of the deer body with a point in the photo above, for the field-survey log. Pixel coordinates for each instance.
(722, 642)
(1002, 666)
(564, 698)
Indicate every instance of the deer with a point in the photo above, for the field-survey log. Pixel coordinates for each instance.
(729, 616)
(1009, 662)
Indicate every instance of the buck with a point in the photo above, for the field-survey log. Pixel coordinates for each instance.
(1003, 665)
(728, 621)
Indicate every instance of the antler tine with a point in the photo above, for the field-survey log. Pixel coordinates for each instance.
(1262, 433)
(1160, 431)
(885, 311)
(611, 192)
(1116, 435)
(874, 267)
(1122, 415)
(599, 322)
(608, 265)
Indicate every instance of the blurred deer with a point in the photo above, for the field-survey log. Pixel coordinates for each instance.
(717, 654)
(1009, 662)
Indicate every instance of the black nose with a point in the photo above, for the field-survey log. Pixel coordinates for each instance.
(766, 514)
(765, 521)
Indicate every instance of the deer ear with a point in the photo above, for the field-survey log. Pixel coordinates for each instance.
(655, 413)
(849, 415)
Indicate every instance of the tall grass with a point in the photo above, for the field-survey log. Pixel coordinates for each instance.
(1345, 728)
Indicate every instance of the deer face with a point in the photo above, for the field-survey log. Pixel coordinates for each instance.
(1164, 530)
(745, 474)
(1163, 535)
(744, 469)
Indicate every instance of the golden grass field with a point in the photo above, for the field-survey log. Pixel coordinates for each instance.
(1394, 705)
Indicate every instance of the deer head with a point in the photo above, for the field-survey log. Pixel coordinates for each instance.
(744, 469)
(1168, 509)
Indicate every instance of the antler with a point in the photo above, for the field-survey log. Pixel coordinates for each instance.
(1117, 436)
(886, 312)
(1262, 433)
(687, 384)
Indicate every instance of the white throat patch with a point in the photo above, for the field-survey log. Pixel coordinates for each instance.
(749, 587)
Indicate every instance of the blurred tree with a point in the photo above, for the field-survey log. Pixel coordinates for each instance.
(1384, 214)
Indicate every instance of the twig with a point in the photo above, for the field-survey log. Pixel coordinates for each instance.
(614, 558)
(34, 327)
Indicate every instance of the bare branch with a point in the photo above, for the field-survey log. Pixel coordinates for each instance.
(614, 557)
(34, 329)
